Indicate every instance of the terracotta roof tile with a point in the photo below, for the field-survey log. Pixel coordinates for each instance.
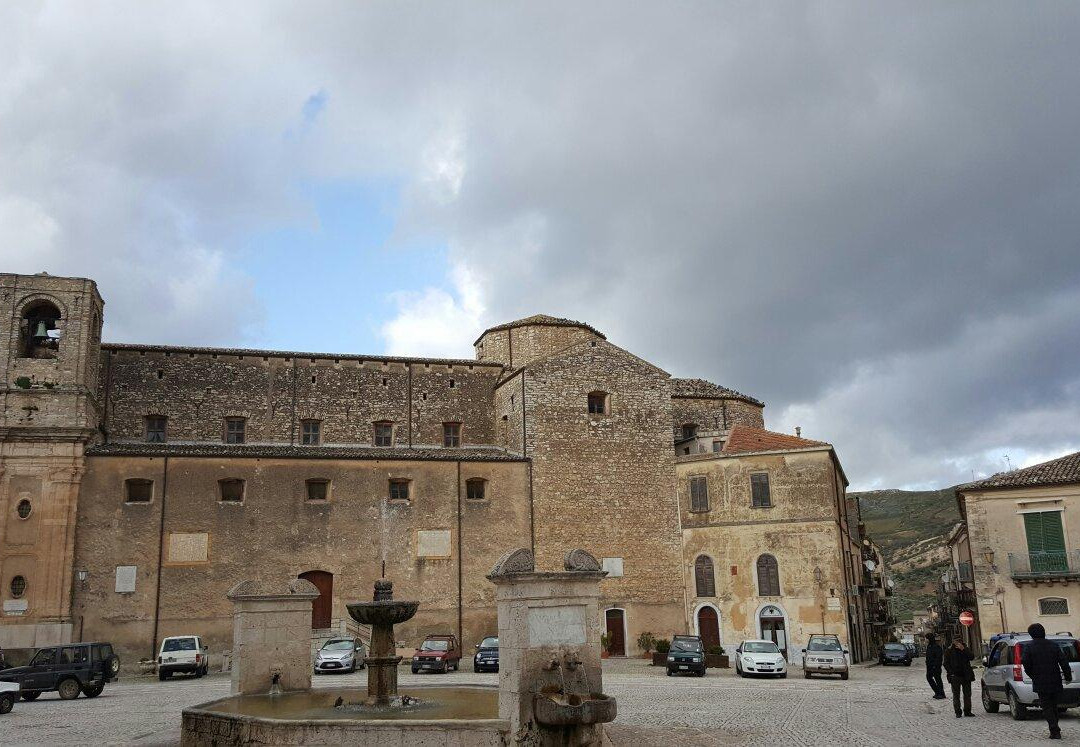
(1060, 471)
(744, 439)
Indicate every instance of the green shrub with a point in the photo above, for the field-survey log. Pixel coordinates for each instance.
(646, 641)
(605, 641)
(663, 645)
(715, 650)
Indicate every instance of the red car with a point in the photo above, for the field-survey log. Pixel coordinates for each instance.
(438, 653)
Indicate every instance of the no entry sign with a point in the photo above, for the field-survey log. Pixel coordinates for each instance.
(967, 617)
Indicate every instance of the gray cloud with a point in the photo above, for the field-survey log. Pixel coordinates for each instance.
(866, 218)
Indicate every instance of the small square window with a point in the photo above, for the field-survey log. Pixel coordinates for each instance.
(689, 431)
(399, 490)
(231, 490)
(137, 490)
(311, 432)
(475, 488)
(155, 428)
(318, 490)
(759, 489)
(235, 430)
(451, 435)
(598, 403)
(384, 434)
(1053, 606)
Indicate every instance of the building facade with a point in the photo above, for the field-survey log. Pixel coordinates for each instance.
(1017, 550)
(140, 482)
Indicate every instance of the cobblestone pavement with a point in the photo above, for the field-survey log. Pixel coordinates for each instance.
(877, 706)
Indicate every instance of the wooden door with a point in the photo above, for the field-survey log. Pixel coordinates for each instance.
(322, 607)
(708, 627)
(614, 621)
(773, 629)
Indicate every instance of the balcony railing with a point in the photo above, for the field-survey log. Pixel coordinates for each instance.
(1044, 565)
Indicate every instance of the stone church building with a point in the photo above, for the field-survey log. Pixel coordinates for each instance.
(138, 483)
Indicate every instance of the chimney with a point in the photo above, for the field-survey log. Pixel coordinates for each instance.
(798, 431)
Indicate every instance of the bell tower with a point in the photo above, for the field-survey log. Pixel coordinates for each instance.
(50, 337)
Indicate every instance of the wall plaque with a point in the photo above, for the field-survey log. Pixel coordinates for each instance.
(433, 543)
(557, 626)
(125, 579)
(190, 547)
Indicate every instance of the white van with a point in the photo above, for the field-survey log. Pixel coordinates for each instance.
(182, 653)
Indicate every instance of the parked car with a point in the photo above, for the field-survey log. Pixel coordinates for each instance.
(182, 653)
(486, 658)
(1006, 681)
(68, 669)
(824, 654)
(914, 651)
(345, 654)
(760, 657)
(687, 654)
(9, 693)
(894, 653)
(438, 653)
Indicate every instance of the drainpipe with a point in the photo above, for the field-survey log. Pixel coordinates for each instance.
(460, 550)
(161, 555)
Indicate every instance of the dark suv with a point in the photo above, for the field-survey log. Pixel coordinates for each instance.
(686, 655)
(68, 669)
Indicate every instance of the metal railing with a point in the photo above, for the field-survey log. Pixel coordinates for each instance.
(1044, 564)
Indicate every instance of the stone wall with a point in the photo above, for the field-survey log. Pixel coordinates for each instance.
(521, 345)
(713, 415)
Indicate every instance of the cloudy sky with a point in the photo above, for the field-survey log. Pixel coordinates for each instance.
(867, 215)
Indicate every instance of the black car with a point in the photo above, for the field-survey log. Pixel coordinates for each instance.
(69, 670)
(486, 658)
(895, 653)
(686, 656)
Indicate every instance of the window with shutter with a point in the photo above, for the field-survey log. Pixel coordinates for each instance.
(759, 490)
(768, 573)
(704, 577)
(699, 493)
(1046, 541)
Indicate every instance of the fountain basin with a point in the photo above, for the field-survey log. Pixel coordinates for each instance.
(557, 709)
(382, 612)
(446, 715)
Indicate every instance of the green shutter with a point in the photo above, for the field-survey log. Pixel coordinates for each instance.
(1046, 541)
(1033, 529)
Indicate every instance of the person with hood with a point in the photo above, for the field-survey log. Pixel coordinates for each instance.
(957, 661)
(1046, 665)
(933, 666)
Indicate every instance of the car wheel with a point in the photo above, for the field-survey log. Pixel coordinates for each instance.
(1016, 709)
(69, 689)
(669, 673)
(112, 666)
(30, 695)
(414, 670)
(843, 675)
(164, 675)
(989, 704)
(806, 674)
(907, 663)
(7, 702)
(92, 691)
(783, 676)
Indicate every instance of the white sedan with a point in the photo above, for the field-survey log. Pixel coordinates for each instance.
(9, 693)
(759, 657)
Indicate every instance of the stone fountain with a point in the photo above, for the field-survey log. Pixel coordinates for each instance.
(382, 614)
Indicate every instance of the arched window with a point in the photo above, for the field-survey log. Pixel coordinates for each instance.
(1053, 606)
(598, 403)
(768, 576)
(704, 578)
(40, 328)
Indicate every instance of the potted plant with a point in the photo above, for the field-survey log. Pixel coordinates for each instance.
(605, 645)
(646, 642)
(659, 658)
(715, 657)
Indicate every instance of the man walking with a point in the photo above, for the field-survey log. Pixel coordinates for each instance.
(1046, 665)
(957, 662)
(933, 666)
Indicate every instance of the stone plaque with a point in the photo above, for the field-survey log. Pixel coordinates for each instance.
(15, 606)
(188, 547)
(987, 600)
(557, 626)
(834, 604)
(433, 543)
(125, 579)
(613, 566)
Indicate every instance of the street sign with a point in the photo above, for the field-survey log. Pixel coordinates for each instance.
(967, 617)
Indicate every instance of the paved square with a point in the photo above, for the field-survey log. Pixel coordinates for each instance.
(877, 706)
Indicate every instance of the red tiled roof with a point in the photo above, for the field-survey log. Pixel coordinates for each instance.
(1060, 471)
(745, 438)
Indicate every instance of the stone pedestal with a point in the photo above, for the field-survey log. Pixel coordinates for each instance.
(549, 641)
(271, 636)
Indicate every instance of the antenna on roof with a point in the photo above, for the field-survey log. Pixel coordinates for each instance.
(1008, 462)
(798, 431)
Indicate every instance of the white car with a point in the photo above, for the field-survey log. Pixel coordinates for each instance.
(182, 653)
(9, 693)
(759, 657)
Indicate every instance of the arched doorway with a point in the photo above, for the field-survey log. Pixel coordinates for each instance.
(708, 625)
(322, 607)
(615, 623)
(773, 625)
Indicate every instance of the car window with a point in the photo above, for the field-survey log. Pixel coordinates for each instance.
(895, 647)
(686, 644)
(1067, 646)
(339, 645)
(761, 647)
(995, 655)
(435, 646)
(178, 644)
(824, 644)
(44, 657)
(489, 642)
(103, 651)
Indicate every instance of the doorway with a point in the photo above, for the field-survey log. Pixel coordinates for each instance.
(708, 624)
(323, 606)
(773, 627)
(615, 622)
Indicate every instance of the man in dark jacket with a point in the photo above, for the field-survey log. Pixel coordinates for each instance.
(957, 661)
(933, 666)
(1046, 665)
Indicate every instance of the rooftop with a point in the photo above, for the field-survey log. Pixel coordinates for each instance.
(257, 353)
(745, 439)
(1060, 471)
(703, 389)
(285, 451)
(541, 320)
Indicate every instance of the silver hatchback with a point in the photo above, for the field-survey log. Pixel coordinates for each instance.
(824, 654)
(1005, 681)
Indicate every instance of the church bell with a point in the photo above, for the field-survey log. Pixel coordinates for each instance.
(42, 331)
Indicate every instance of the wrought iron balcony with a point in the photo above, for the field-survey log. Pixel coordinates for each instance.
(1044, 566)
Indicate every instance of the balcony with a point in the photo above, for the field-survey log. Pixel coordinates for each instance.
(1044, 566)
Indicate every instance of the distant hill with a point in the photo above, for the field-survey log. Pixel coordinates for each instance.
(911, 527)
